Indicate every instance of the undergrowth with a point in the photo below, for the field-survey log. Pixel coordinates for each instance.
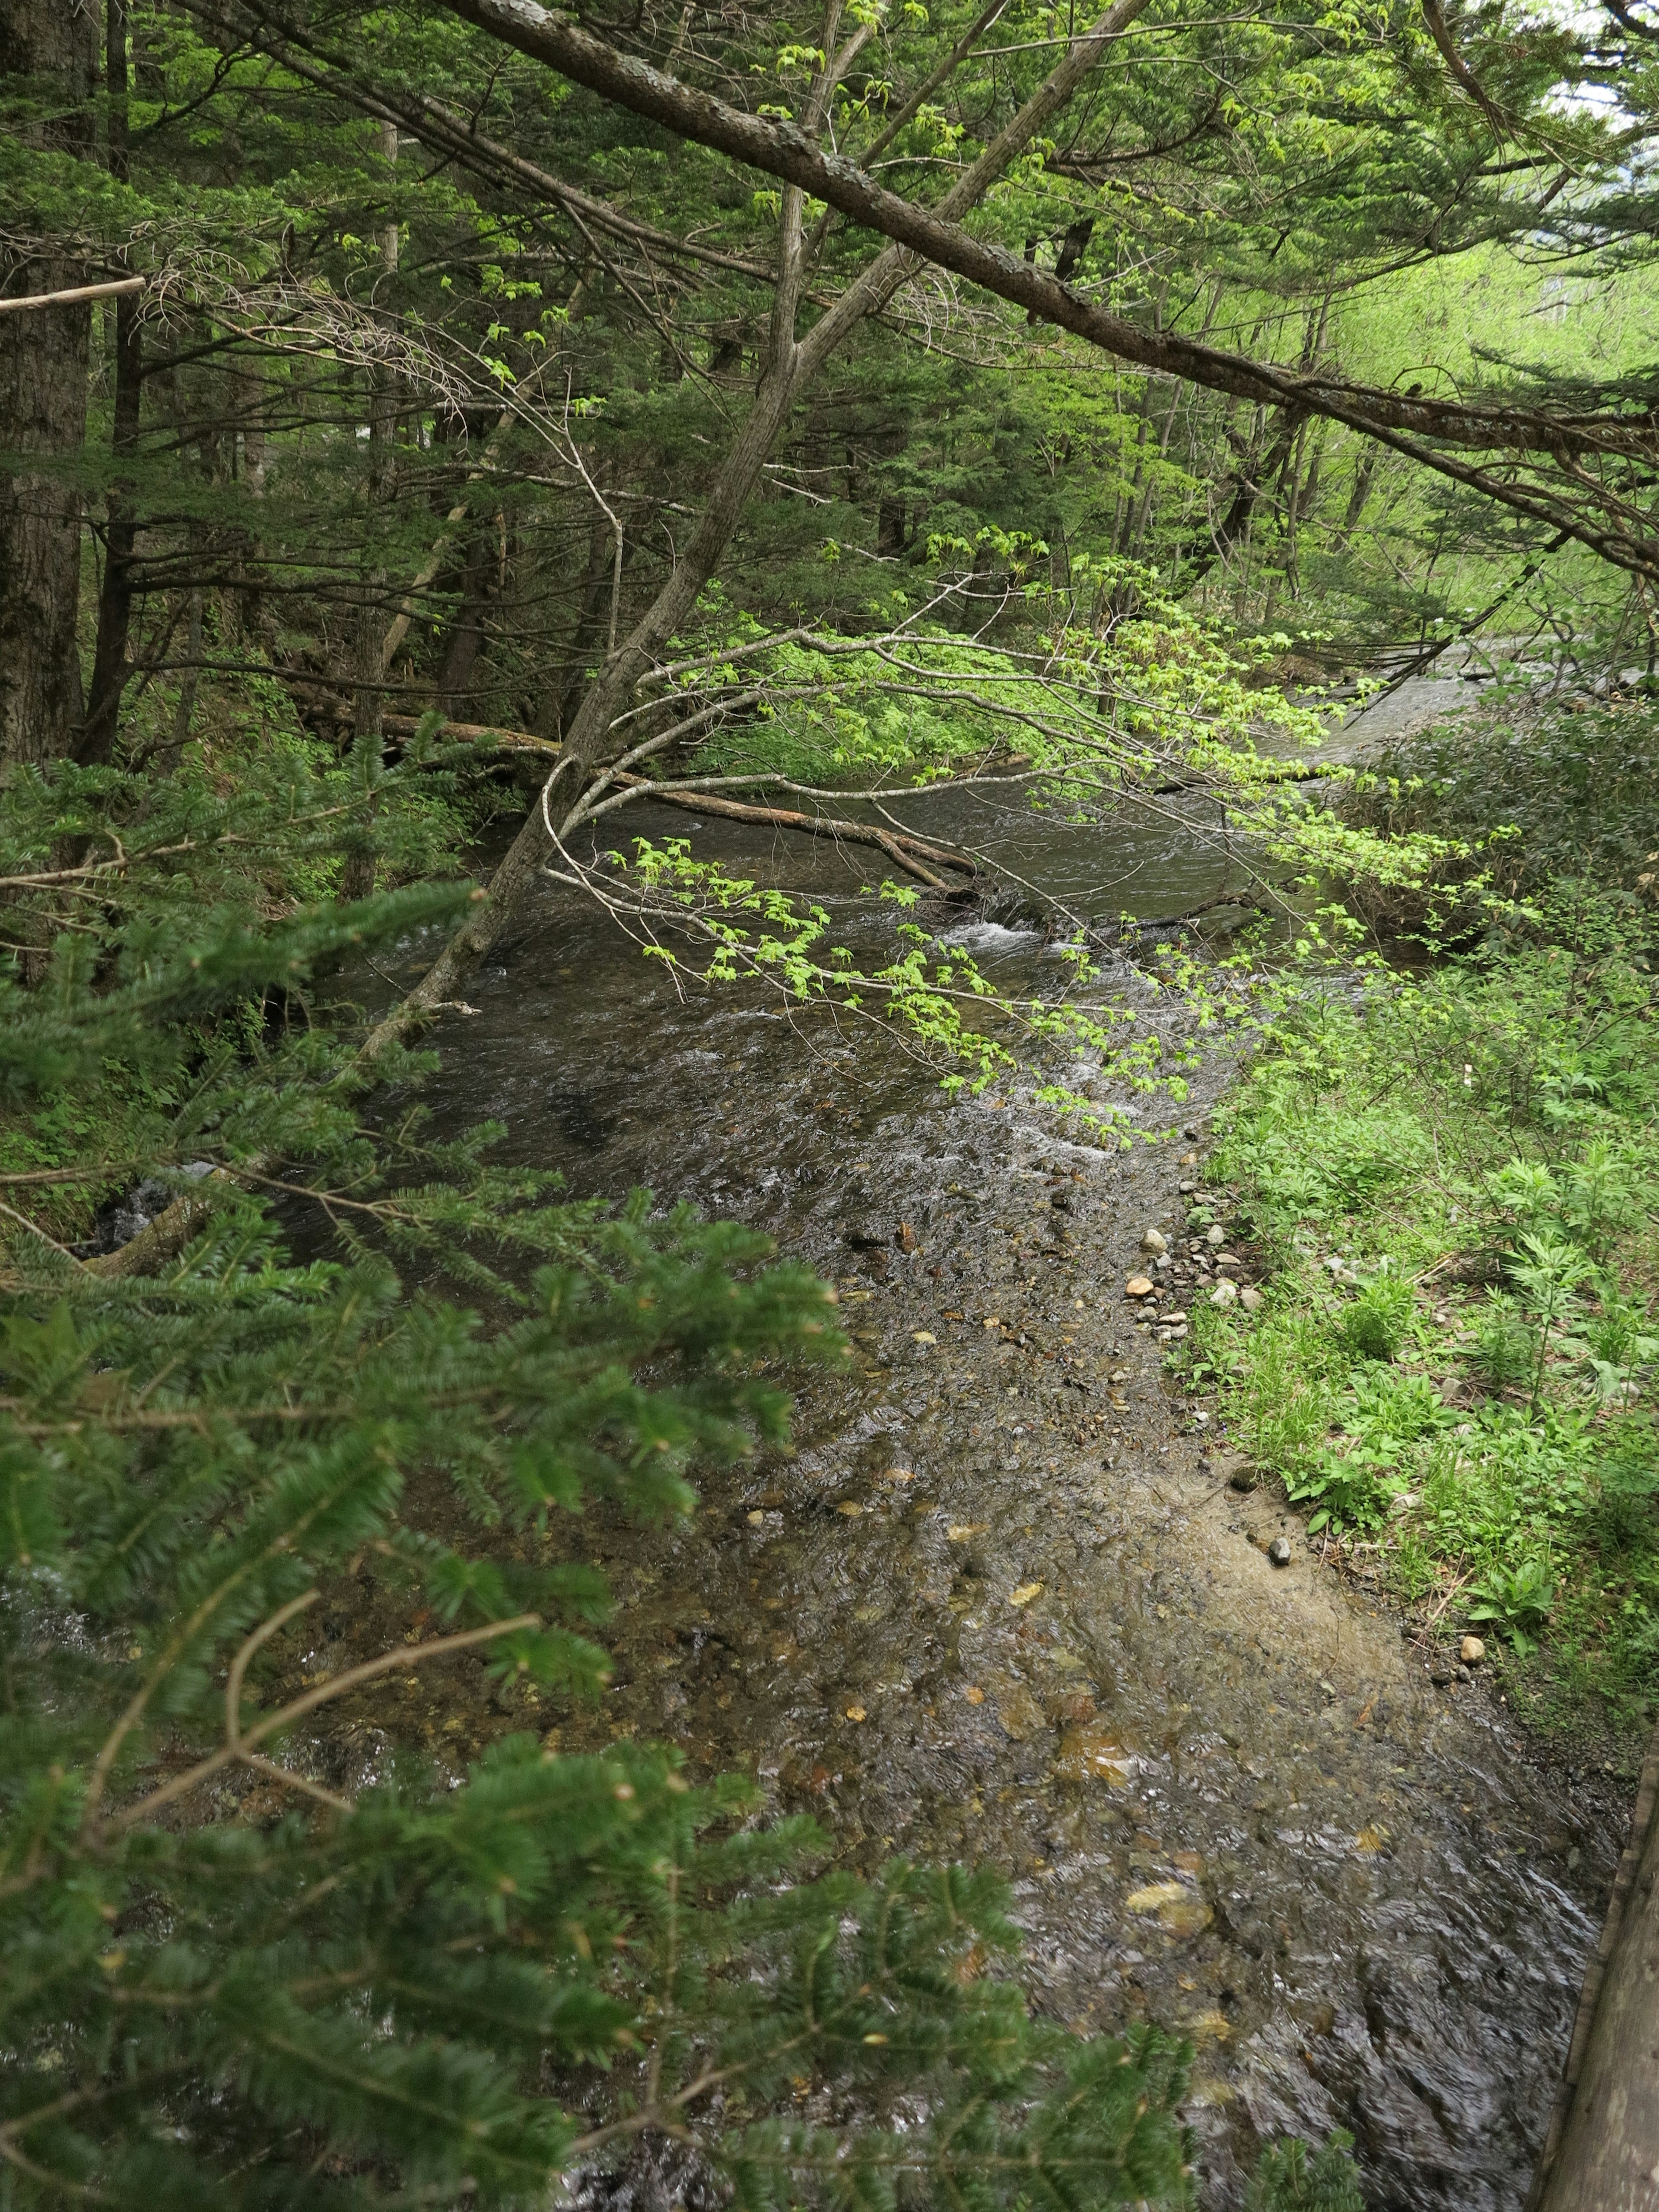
(1449, 1185)
(1529, 790)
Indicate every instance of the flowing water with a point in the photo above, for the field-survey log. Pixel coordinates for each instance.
(997, 1603)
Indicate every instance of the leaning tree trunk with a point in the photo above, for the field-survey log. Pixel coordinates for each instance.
(791, 365)
(47, 57)
(1601, 2154)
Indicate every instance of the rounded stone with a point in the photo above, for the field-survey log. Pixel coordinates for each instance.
(1154, 1241)
(1471, 1650)
(1279, 1552)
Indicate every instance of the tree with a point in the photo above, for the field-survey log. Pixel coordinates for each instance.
(47, 62)
(255, 1957)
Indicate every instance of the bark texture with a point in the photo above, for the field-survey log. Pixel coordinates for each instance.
(48, 52)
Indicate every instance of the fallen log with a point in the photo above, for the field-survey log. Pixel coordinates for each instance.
(1602, 2153)
(906, 851)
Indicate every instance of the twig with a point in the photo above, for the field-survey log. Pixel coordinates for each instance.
(238, 1746)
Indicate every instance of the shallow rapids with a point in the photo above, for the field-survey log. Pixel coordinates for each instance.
(997, 1604)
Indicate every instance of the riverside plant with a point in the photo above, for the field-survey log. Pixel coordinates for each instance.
(1479, 1140)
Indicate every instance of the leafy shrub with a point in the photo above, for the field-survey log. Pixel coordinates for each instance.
(1539, 790)
(1504, 1343)
(1627, 1476)
(1391, 1412)
(1347, 1486)
(1374, 1324)
(1516, 1601)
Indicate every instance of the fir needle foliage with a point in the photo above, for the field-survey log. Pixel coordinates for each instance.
(245, 1967)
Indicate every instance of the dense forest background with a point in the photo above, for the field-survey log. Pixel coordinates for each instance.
(427, 430)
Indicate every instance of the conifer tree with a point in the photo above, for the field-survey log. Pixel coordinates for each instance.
(243, 1967)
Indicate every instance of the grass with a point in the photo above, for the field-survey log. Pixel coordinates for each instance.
(1449, 1186)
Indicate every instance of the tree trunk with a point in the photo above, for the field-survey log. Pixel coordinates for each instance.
(465, 640)
(790, 368)
(368, 704)
(109, 659)
(43, 408)
(564, 694)
(1603, 2151)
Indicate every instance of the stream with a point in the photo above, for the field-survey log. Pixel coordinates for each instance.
(997, 1601)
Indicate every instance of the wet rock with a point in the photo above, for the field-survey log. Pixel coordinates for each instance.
(1279, 1552)
(865, 1236)
(1441, 1676)
(1019, 1714)
(1094, 1754)
(1224, 1294)
(1154, 1241)
(1245, 1479)
(1472, 1650)
(1229, 1465)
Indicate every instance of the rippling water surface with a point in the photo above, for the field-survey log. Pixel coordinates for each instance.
(995, 1603)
